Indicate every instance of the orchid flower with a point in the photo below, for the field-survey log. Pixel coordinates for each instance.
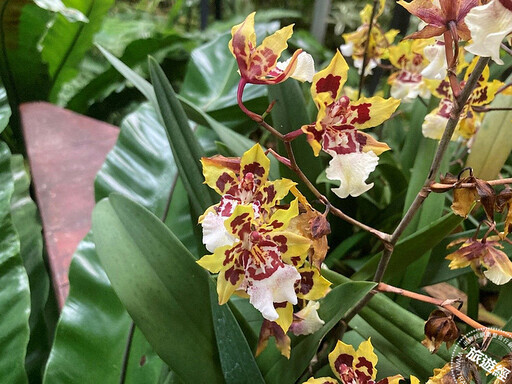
(337, 129)
(407, 84)
(239, 181)
(489, 25)
(440, 16)
(263, 260)
(258, 64)
(470, 120)
(356, 367)
(356, 42)
(482, 254)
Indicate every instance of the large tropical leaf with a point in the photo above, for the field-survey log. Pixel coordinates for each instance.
(14, 292)
(135, 56)
(93, 329)
(165, 291)
(66, 43)
(26, 221)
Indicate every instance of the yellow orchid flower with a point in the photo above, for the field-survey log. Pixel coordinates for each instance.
(356, 367)
(470, 120)
(337, 129)
(262, 261)
(408, 83)
(379, 41)
(258, 64)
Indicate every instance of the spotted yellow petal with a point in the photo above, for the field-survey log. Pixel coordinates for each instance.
(272, 46)
(294, 247)
(312, 285)
(370, 144)
(342, 354)
(372, 111)
(281, 218)
(243, 37)
(220, 179)
(255, 161)
(214, 263)
(321, 380)
(330, 80)
(239, 223)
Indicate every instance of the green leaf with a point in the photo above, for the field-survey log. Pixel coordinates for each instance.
(160, 284)
(409, 249)
(23, 74)
(492, 145)
(14, 292)
(92, 332)
(237, 360)
(66, 43)
(184, 145)
(135, 56)
(278, 369)
(236, 142)
(25, 218)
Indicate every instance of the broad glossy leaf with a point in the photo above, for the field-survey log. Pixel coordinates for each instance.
(14, 292)
(93, 328)
(235, 141)
(66, 43)
(278, 369)
(23, 74)
(26, 220)
(409, 249)
(184, 144)
(162, 287)
(135, 56)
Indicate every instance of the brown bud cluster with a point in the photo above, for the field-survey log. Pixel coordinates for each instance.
(440, 327)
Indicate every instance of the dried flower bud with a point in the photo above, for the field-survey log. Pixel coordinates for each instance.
(503, 198)
(487, 197)
(440, 327)
(320, 227)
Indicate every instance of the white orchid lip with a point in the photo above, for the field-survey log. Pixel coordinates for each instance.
(352, 170)
(277, 288)
(304, 68)
(489, 24)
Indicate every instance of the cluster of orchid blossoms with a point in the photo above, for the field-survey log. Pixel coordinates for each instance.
(262, 249)
(356, 367)
(269, 248)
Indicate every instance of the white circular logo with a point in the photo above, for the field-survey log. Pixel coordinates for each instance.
(478, 353)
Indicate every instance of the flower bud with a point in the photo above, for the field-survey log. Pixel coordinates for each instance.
(440, 327)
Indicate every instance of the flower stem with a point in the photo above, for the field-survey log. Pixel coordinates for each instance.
(365, 54)
(447, 304)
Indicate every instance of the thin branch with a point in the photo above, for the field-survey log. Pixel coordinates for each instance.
(447, 304)
(440, 187)
(506, 49)
(365, 54)
(425, 190)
